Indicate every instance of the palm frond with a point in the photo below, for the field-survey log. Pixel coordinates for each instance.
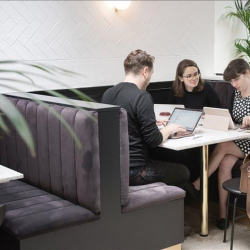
(247, 4)
(50, 73)
(238, 5)
(49, 108)
(19, 123)
(3, 125)
(51, 92)
(242, 13)
(26, 74)
(47, 68)
(240, 48)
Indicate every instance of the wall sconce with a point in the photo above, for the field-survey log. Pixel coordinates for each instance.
(119, 5)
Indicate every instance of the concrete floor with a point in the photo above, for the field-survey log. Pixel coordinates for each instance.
(215, 238)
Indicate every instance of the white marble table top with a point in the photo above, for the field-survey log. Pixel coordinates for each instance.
(203, 137)
(7, 174)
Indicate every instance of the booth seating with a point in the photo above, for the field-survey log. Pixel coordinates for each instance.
(73, 198)
(159, 92)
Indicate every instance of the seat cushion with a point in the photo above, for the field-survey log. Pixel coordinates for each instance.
(60, 168)
(151, 194)
(124, 158)
(31, 211)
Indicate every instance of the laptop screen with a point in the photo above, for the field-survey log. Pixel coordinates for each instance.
(187, 118)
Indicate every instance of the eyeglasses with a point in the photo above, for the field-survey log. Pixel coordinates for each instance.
(190, 77)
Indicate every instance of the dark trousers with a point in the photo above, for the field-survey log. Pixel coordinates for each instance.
(173, 174)
(191, 158)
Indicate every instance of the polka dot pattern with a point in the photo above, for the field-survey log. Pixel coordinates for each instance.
(241, 108)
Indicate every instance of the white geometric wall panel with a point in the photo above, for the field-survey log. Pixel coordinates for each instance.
(93, 39)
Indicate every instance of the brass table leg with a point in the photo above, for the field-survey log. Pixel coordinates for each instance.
(204, 190)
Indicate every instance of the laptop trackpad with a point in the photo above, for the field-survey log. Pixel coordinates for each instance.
(181, 135)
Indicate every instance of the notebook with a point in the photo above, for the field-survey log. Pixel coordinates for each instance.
(187, 118)
(163, 111)
(245, 130)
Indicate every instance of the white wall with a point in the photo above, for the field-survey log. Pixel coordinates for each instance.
(90, 38)
(226, 31)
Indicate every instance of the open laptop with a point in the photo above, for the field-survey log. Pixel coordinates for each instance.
(187, 118)
(219, 112)
(226, 113)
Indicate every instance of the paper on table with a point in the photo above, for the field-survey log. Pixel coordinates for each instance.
(244, 130)
(201, 137)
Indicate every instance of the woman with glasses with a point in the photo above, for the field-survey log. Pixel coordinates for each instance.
(189, 88)
(226, 154)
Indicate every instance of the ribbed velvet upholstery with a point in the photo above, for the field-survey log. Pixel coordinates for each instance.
(152, 194)
(60, 167)
(64, 181)
(224, 91)
(31, 211)
(124, 158)
(138, 197)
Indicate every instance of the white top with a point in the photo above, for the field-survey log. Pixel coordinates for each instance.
(203, 137)
(7, 174)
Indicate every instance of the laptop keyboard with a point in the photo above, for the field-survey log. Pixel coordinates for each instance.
(181, 135)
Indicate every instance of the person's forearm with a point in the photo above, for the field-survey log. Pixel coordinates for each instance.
(171, 129)
(165, 133)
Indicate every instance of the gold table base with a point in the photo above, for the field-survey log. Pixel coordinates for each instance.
(204, 190)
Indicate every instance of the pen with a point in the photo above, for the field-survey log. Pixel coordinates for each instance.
(197, 136)
(161, 123)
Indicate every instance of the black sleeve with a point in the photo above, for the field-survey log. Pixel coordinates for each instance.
(146, 117)
(213, 98)
(171, 98)
(104, 97)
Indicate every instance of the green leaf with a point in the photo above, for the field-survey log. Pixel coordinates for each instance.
(25, 74)
(48, 107)
(242, 13)
(18, 122)
(3, 126)
(26, 77)
(47, 68)
(51, 92)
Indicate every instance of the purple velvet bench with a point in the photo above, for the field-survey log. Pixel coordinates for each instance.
(74, 198)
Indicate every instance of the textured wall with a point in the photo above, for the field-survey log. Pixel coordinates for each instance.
(226, 31)
(91, 38)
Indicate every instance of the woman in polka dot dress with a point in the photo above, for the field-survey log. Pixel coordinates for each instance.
(226, 154)
(241, 116)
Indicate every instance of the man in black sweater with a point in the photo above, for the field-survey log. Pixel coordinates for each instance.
(143, 132)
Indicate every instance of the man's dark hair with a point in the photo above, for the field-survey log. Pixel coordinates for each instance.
(137, 60)
(235, 68)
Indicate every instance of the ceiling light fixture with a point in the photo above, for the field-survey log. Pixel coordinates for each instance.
(119, 5)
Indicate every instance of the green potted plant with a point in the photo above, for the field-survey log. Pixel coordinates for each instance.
(26, 75)
(242, 13)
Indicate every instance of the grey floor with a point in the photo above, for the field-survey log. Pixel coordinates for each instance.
(215, 238)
